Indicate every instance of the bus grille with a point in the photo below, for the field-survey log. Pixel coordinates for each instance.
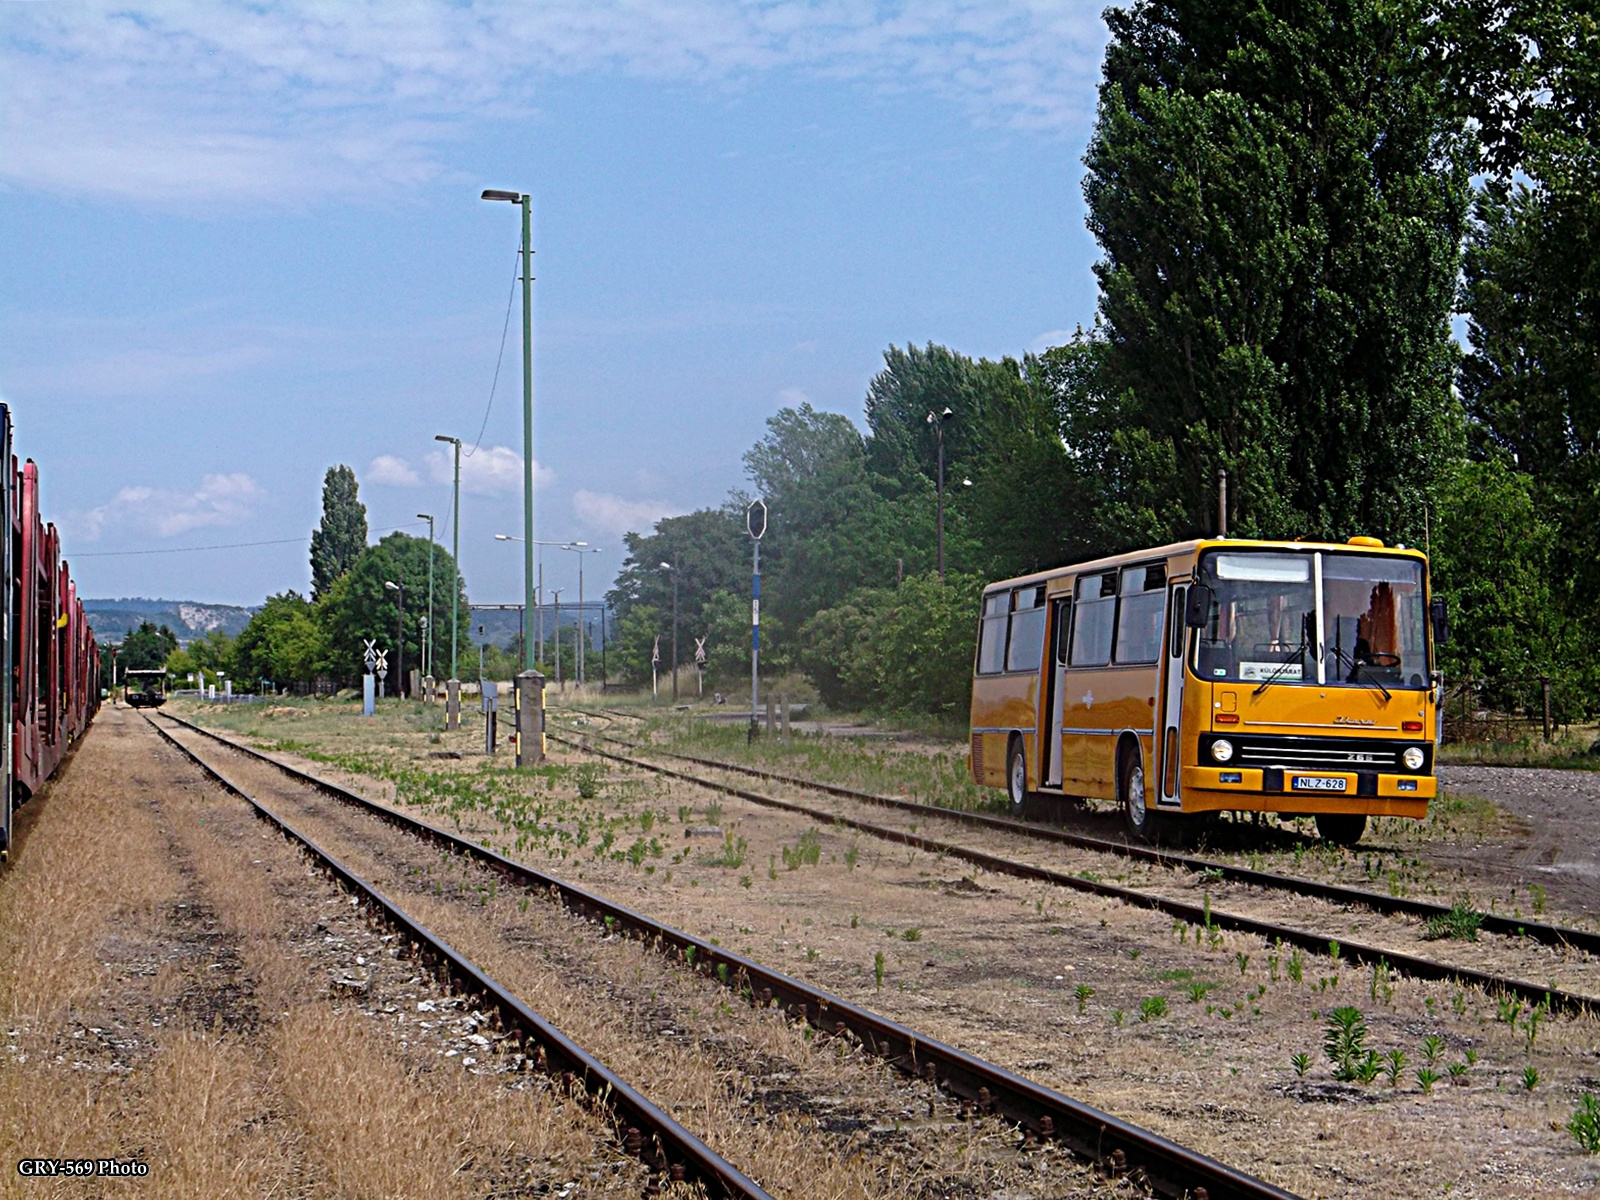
(1319, 753)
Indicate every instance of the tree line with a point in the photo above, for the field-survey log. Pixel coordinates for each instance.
(1293, 202)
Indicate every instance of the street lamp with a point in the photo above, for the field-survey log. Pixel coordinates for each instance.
(427, 621)
(399, 589)
(525, 202)
(674, 570)
(580, 549)
(938, 432)
(538, 590)
(455, 550)
(558, 636)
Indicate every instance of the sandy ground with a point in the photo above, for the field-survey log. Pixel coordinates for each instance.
(804, 1116)
(1115, 1006)
(178, 990)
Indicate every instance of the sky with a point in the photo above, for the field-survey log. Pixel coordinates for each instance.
(242, 243)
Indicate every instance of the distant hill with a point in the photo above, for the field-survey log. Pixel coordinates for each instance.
(110, 619)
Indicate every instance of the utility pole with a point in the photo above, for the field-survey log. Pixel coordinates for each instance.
(525, 202)
(938, 434)
(427, 621)
(674, 570)
(1222, 502)
(455, 553)
(399, 589)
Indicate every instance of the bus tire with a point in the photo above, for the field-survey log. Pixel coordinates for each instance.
(1140, 820)
(1016, 776)
(1342, 829)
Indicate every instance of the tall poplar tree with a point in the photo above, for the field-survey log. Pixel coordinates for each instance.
(342, 536)
(1279, 188)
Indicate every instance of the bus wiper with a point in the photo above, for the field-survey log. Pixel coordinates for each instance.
(1356, 667)
(1298, 654)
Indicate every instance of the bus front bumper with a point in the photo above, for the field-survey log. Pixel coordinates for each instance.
(1207, 789)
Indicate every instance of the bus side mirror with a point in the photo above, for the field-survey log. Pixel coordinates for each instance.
(1439, 613)
(1197, 606)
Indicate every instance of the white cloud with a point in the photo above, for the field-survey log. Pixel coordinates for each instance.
(487, 471)
(190, 102)
(220, 500)
(392, 470)
(618, 516)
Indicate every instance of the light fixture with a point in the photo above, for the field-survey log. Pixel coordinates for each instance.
(1222, 750)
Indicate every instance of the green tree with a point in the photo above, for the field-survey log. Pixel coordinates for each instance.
(282, 643)
(357, 608)
(145, 648)
(342, 536)
(1280, 193)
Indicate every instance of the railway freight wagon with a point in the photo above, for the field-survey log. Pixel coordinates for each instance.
(51, 684)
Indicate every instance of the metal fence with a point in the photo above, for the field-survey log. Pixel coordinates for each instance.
(1501, 710)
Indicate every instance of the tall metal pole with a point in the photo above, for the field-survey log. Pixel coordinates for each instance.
(755, 630)
(400, 644)
(427, 649)
(578, 671)
(527, 415)
(455, 553)
(941, 500)
(674, 635)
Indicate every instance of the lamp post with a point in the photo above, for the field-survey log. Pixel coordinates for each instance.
(674, 570)
(525, 202)
(455, 551)
(399, 589)
(427, 621)
(580, 549)
(558, 636)
(938, 433)
(539, 575)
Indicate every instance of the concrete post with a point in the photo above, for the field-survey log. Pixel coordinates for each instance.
(529, 705)
(786, 720)
(416, 684)
(771, 718)
(491, 708)
(452, 704)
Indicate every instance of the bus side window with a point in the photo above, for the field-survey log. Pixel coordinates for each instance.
(1095, 620)
(1175, 624)
(992, 637)
(1063, 630)
(1027, 630)
(1139, 614)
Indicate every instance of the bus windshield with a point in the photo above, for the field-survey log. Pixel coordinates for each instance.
(1269, 619)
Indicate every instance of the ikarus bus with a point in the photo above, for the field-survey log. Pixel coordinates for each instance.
(1286, 677)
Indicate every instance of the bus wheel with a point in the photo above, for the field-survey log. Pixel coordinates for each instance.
(1140, 820)
(1343, 829)
(1016, 777)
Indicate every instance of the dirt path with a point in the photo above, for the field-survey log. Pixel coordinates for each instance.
(803, 1116)
(1115, 1006)
(1560, 848)
(168, 998)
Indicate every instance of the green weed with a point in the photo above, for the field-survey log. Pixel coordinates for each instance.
(1426, 1078)
(1151, 1007)
(1394, 1062)
(1301, 1063)
(1585, 1124)
(1081, 994)
(1344, 1041)
(807, 851)
(1460, 924)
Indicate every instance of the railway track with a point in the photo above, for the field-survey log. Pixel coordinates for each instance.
(1206, 916)
(647, 1132)
(1538, 931)
(1043, 1114)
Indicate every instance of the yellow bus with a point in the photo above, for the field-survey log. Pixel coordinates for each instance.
(1287, 677)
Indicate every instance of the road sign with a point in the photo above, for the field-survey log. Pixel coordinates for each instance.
(700, 651)
(755, 518)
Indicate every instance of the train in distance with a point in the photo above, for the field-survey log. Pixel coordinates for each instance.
(1226, 674)
(51, 686)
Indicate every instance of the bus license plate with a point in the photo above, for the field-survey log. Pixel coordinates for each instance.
(1319, 783)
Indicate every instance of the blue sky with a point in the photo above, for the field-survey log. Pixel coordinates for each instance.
(243, 243)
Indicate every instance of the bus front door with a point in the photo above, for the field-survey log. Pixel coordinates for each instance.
(1060, 620)
(1172, 697)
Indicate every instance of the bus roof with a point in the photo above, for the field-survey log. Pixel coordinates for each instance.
(1366, 546)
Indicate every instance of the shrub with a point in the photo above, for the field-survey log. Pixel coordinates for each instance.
(1344, 1042)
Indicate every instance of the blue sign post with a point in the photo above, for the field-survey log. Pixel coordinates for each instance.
(755, 521)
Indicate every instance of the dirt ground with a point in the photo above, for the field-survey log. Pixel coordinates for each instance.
(1195, 1038)
(803, 1116)
(179, 990)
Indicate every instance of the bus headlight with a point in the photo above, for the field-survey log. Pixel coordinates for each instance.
(1413, 758)
(1222, 750)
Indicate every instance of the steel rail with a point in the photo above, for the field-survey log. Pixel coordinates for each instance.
(1538, 931)
(664, 1145)
(1042, 1112)
(1205, 916)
